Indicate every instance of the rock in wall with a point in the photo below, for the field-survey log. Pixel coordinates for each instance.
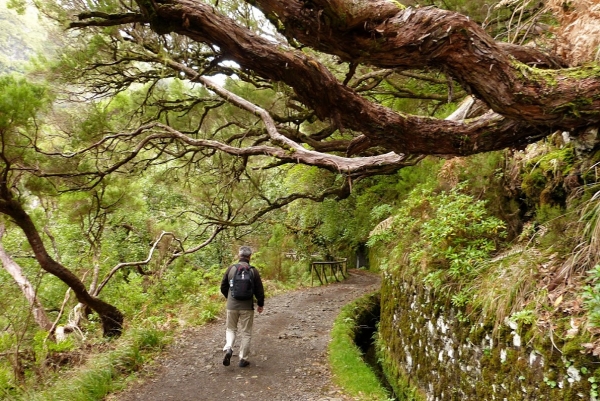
(428, 344)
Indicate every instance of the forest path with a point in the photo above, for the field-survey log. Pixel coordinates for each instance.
(288, 359)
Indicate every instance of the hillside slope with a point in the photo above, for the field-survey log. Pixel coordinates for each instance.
(22, 36)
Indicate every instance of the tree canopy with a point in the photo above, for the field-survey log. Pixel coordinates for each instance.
(217, 96)
(528, 93)
(163, 133)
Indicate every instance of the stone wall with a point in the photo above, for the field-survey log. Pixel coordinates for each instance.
(427, 344)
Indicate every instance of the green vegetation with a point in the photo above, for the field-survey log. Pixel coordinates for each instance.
(449, 233)
(453, 238)
(109, 159)
(591, 297)
(346, 359)
(106, 372)
(23, 36)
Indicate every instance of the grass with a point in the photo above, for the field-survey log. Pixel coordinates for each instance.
(106, 372)
(349, 369)
(110, 365)
(508, 285)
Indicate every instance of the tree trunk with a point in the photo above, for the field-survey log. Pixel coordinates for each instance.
(39, 314)
(111, 317)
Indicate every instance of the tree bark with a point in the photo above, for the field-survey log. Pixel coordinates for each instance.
(111, 317)
(529, 103)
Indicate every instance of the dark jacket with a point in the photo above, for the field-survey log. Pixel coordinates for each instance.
(259, 292)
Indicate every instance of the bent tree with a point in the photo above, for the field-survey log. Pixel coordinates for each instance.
(111, 317)
(20, 102)
(528, 94)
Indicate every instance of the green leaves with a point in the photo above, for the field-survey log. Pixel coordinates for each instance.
(591, 296)
(459, 233)
(448, 231)
(20, 101)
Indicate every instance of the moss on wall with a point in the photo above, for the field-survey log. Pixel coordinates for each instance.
(423, 344)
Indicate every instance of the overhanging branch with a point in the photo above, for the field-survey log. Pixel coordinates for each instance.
(529, 103)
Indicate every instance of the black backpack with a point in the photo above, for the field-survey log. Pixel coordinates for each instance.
(242, 283)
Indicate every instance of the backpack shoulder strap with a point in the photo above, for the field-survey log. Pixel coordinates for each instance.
(230, 268)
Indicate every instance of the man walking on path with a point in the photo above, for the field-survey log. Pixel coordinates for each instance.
(240, 307)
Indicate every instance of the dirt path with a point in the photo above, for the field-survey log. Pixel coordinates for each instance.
(289, 353)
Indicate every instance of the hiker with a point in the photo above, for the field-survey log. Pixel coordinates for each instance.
(240, 285)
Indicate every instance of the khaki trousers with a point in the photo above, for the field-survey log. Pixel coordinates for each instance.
(244, 319)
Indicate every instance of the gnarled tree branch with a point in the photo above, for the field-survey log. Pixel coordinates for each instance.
(529, 103)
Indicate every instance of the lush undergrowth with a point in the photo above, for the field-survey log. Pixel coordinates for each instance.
(350, 370)
(506, 241)
(87, 367)
(507, 236)
(105, 372)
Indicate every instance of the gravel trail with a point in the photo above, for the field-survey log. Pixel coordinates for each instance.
(288, 360)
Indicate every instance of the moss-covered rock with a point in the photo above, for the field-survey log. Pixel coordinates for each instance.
(431, 353)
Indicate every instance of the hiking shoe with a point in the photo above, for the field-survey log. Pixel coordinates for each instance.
(227, 357)
(243, 363)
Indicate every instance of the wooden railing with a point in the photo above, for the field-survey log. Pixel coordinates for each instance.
(321, 270)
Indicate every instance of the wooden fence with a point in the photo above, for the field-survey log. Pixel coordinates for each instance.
(321, 270)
